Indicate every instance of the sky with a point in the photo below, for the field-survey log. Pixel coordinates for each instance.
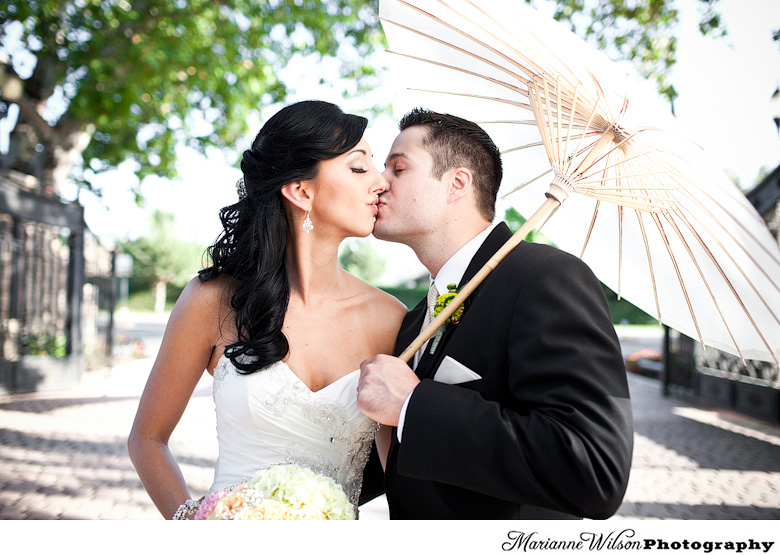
(724, 86)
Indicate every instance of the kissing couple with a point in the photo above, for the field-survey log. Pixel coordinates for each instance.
(519, 410)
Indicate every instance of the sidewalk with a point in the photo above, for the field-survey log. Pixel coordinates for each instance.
(694, 462)
(63, 455)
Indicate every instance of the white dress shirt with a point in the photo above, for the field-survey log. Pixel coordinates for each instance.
(451, 272)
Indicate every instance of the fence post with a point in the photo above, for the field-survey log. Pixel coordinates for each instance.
(112, 287)
(15, 307)
(667, 362)
(76, 273)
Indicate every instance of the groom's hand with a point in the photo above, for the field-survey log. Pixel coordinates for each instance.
(385, 383)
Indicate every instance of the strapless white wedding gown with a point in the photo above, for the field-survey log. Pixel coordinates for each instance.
(271, 417)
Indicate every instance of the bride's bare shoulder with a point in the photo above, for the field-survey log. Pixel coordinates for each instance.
(205, 303)
(208, 295)
(383, 311)
(202, 313)
(375, 296)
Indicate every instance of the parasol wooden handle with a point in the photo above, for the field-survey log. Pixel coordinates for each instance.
(550, 205)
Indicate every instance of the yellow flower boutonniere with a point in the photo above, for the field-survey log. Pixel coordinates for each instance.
(441, 302)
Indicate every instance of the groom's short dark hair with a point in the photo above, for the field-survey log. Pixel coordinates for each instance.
(454, 142)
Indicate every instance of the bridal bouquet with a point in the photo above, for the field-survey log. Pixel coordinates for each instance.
(280, 492)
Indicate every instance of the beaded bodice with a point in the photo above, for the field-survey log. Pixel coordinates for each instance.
(271, 417)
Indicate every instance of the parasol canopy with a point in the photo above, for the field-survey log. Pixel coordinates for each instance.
(654, 217)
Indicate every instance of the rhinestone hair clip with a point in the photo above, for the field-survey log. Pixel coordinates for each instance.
(241, 189)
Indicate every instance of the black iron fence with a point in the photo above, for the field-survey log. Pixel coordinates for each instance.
(679, 363)
(56, 292)
(714, 377)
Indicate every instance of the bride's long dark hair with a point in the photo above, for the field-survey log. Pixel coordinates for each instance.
(252, 247)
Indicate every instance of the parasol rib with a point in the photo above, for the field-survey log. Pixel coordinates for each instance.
(630, 187)
(561, 155)
(725, 230)
(528, 182)
(625, 161)
(561, 66)
(706, 283)
(518, 148)
(620, 250)
(587, 126)
(458, 49)
(728, 214)
(508, 121)
(736, 265)
(465, 35)
(538, 110)
(571, 118)
(538, 69)
(590, 227)
(478, 96)
(600, 94)
(549, 117)
(679, 275)
(509, 86)
(620, 234)
(649, 263)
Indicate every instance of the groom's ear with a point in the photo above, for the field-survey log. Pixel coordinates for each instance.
(299, 194)
(460, 183)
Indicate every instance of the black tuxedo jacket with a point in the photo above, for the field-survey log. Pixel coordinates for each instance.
(547, 432)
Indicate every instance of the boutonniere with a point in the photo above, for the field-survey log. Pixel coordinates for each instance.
(441, 302)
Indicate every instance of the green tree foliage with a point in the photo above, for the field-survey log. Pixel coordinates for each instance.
(134, 78)
(360, 259)
(409, 296)
(162, 258)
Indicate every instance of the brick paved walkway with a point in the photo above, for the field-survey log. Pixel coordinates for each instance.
(63, 455)
(694, 462)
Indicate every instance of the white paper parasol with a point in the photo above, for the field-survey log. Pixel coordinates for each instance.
(645, 208)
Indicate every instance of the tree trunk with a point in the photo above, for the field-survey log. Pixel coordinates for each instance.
(35, 147)
(72, 138)
(53, 160)
(159, 296)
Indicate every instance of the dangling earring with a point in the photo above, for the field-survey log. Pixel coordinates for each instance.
(307, 225)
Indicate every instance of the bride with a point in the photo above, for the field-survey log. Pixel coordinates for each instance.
(280, 326)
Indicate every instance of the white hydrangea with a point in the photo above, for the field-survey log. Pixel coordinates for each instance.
(314, 495)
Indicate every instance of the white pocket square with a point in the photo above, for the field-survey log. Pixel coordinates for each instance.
(451, 372)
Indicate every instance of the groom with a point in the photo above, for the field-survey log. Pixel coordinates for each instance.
(520, 410)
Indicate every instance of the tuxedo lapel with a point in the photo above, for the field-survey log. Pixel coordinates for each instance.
(427, 360)
(409, 331)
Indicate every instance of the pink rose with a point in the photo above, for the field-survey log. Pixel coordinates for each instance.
(207, 505)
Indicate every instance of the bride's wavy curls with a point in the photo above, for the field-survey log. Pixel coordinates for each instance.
(252, 247)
